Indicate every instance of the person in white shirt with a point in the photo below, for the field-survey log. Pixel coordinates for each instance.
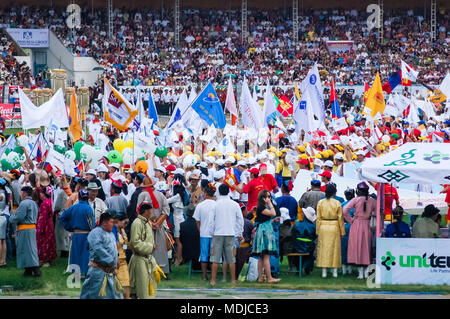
(204, 213)
(228, 224)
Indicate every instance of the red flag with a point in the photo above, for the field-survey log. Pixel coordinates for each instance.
(285, 107)
(366, 90)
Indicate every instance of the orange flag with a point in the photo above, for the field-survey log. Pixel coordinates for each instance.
(74, 123)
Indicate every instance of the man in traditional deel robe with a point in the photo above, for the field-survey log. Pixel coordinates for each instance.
(142, 266)
(80, 220)
(25, 217)
(101, 281)
(160, 211)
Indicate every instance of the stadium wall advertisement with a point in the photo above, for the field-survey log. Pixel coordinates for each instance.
(30, 38)
(402, 261)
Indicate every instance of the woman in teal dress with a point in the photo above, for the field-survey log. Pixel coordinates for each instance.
(264, 244)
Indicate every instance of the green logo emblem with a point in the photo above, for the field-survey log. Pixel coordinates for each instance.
(436, 157)
(388, 260)
(396, 176)
(404, 156)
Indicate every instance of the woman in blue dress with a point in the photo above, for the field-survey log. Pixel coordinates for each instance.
(264, 244)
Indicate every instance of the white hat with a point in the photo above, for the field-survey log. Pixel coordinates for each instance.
(251, 160)
(284, 214)
(339, 156)
(229, 159)
(241, 163)
(328, 163)
(160, 168)
(310, 214)
(197, 172)
(173, 158)
(102, 168)
(203, 165)
(91, 171)
(178, 171)
(291, 127)
(210, 159)
(115, 165)
(220, 162)
(219, 174)
(318, 162)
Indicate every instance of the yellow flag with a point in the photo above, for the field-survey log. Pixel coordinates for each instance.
(74, 123)
(297, 93)
(375, 98)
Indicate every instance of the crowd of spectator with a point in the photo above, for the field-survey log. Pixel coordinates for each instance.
(142, 51)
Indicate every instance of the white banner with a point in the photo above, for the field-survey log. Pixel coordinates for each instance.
(30, 38)
(403, 261)
(52, 110)
(55, 159)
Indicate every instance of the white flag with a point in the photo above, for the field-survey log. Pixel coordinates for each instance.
(251, 112)
(408, 72)
(230, 102)
(179, 113)
(269, 105)
(312, 84)
(445, 86)
(303, 117)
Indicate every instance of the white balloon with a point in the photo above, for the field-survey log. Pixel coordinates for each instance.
(98, 153)
(87, 152)
(23, 140)
(190, 160)
(71, 155)
(386, 138)
(128, 159)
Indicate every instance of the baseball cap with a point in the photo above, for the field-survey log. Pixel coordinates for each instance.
(229, 159)
(219, 174)
(241, 163)
(316, 182)
(115, 165)
(303, 161)
(91, 171)
(254, 170)
(327, 174)
(160, 168)
(203, 165)
(220, 162)
(328, 163)
(339, 156)
(318, 162)
(102, 168)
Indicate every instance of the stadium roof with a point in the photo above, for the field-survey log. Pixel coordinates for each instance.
(236, 4)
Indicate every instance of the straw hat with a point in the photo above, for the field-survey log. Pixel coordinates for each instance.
(148, 182)
(43, 177)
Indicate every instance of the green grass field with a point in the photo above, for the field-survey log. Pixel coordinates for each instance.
(54, 282)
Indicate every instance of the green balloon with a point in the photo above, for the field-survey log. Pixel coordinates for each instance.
(60, 149)
(7, 151)
(161, 151)
(114, 156)
(5, 165)
(77, 147)
(18, 150)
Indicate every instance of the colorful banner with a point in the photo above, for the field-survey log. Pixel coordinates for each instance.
(339, 46)
(118, 111)
(404, 261)
(30, 38)
(8, 113)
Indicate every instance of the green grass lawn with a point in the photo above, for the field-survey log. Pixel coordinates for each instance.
(54, 282)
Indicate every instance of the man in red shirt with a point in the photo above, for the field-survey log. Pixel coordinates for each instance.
(390, 196)
(268, 179)
(252, 188)
(326, 177)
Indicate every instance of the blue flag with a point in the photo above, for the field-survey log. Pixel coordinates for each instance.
(208, 106)
(152, 109)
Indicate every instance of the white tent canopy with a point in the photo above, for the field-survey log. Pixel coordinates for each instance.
(418, 163)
